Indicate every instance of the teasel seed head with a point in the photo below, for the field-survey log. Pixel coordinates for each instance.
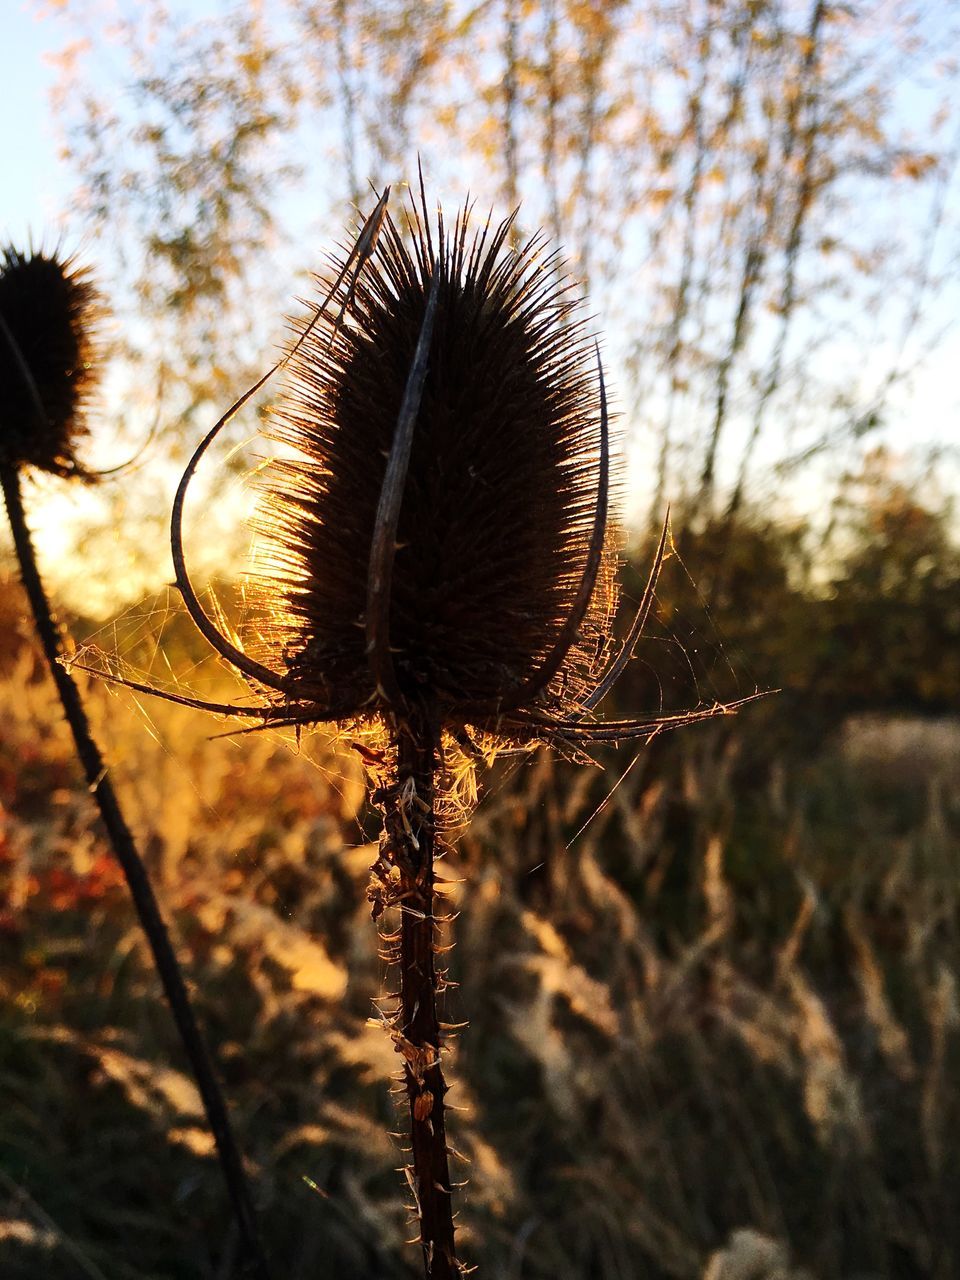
(501, 530)
(437, 552)
(49, 311)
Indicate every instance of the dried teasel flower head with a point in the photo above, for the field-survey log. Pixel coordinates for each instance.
(493, 585)
(49, 310)
(436, 549)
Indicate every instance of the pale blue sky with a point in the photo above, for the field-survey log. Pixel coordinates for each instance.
(34, 189)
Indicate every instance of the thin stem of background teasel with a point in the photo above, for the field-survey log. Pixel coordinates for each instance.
(135, 873)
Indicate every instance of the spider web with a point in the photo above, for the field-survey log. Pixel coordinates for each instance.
(682, 653)
(682, 664)
(155, 644)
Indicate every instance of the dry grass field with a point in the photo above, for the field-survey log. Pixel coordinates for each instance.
(690, 965)
(718, 1034)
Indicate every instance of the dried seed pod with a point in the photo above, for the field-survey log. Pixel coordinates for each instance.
(49, 310)
(499, 510)
(437, 550)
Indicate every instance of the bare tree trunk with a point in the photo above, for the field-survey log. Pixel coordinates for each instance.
(694, 128)
(761, 204)
(805, 190)
(593, 58)
(550, 148)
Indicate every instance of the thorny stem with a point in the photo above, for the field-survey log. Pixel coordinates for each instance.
(409, 847)
(141, 890)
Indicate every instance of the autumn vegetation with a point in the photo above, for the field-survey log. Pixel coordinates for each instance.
(730, 1003)
(711, 982)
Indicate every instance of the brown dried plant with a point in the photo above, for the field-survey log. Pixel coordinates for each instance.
(49, 310)
(49, 365)
(437, 570)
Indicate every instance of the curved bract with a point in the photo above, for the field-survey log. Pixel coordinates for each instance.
(383, 546)
(225, 647)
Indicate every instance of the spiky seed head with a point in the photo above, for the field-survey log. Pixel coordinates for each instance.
(49, 309)
(500, 497)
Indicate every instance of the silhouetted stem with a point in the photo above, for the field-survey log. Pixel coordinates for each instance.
(141, 890)
(410, 825)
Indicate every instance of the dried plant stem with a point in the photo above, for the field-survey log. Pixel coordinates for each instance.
(141, 889)
(411, 839)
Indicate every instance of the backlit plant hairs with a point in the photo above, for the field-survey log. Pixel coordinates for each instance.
(509, 627)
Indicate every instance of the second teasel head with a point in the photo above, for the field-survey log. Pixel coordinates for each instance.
(49, 314)
(501, 581)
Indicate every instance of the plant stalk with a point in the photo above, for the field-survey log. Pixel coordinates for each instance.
(141, 890)
(410, 826)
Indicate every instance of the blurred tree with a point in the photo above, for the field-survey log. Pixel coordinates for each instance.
(760, 194)
(892, 633)
(180, 173)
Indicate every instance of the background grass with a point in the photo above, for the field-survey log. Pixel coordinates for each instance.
(718, 1034)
